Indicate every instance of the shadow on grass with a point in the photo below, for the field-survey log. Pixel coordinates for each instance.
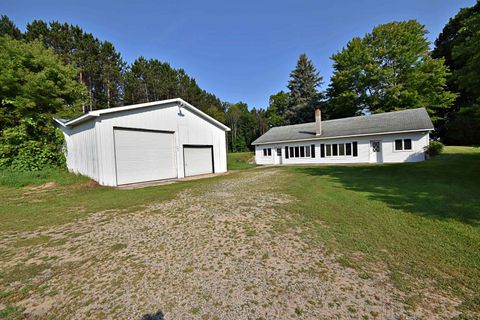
(447, 187)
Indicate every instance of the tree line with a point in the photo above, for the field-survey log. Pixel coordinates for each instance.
(59, 69)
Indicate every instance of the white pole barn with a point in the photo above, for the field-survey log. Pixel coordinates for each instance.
(152, 141)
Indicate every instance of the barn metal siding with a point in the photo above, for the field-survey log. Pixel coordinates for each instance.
(196, 131)
(419, 141)
(81, 154)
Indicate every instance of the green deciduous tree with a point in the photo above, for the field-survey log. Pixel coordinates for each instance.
(277, 107)
(459, 45)
(303, 96)
(233, 117)
(261, 123)
(246, 125)
(388, 69)
(466, 55)
(34, 85)
(33, 80)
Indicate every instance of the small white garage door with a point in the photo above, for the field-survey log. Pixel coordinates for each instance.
(144, 155)
(198, 160)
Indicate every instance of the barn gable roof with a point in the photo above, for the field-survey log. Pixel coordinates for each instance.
(96, 113)
(410, 120)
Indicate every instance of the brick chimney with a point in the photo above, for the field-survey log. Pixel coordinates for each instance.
(318, 121)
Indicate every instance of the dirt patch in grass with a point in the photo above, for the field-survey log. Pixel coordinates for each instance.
(90, 184)
(213, 252)
(45, 186)
(39, 190)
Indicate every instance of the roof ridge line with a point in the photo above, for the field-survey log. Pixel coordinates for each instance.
(354, 117)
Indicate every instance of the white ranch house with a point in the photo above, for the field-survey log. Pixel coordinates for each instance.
(167, 139)
(399, 136)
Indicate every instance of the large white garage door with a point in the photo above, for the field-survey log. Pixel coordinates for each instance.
(144, 155)
(198, 160)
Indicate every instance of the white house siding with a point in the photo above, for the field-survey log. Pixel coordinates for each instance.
(97, 136)
(81, 152)
(419, 142)
(389, 155)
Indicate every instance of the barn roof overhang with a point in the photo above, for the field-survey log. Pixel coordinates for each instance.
(180, 102)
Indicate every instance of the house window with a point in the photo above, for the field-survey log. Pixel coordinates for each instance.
(398, 144)
(264, 152)
(407, 144)
(403, 144)
(279, 152)
(338, 149)
(348, 149)
(300, 152)
(335, 149)
(269, 151)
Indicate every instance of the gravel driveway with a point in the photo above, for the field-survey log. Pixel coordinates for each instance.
(211, 253)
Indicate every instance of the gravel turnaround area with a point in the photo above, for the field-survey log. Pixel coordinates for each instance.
(215, 252)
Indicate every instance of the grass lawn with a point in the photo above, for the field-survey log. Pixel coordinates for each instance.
(21, 179)
(240, 160)
(421, 220)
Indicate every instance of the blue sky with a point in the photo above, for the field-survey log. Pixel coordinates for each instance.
(238, 50)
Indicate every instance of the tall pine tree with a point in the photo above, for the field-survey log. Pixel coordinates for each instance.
(8, 28)
(152, 80)
(303, 96)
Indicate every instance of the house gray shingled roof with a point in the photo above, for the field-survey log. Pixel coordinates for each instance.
(405, 120)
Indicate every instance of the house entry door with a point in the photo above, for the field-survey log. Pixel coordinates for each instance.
(376, 151)
(278, 156)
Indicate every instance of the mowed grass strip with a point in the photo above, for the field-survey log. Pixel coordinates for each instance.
(9, 178)
(240, 160)
(422, 220)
